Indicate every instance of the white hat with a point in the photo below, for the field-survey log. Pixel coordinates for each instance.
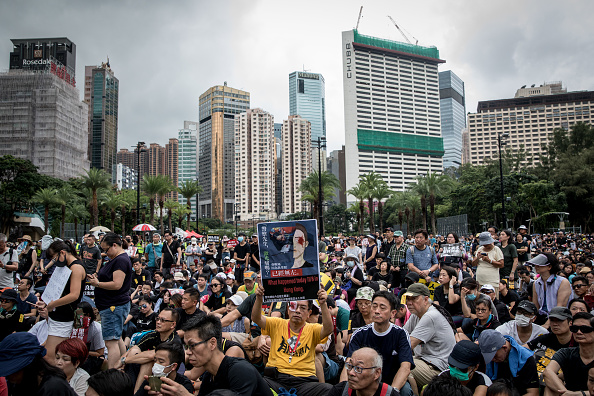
(194, 240)
(235, 299)
(178, 276)
(222, 275)
(242, 294)
(523, 227)
(231, 276)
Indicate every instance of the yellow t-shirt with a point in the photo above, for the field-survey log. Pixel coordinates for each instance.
(242, 288)
(302, 364)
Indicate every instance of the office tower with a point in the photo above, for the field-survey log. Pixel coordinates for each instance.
(278, 130)
(391, 109)
(452, 106)
(529, 118)
(336, 166)
(465, 146)
(296, 141)
(41, 116)
(188, 160)
(255, 155)
(218, 107)
(125, 177)
(56, 55)
(102, 93)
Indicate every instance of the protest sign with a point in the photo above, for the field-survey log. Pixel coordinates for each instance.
(213, 238)
(289, 260)
(452, 249)
(56, 284)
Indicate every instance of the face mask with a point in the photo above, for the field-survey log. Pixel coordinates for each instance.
(522, 321)
(459, 374)
(240, 239)
(470, 297)
(351, 263)
(59, 263)
(158, 370)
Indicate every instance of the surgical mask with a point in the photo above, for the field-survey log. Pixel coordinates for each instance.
(158, 369)
(470, 297)
(459, 374)
(350, 263)
(522, 321)
(59, 263)
(240, 239)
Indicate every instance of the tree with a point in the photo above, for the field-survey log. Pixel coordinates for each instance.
(128, 201)
(437, 185)
(421, 189)
(171, 205)
(47, 198)
(95, 180)
(165, 188)
(381, 191)
(112, 202)
(75, 212)
(369, 182)
(151, 186)
(63, 197)
(359, 193)
(188, 189)
(181, 211)
(310, 186)
(397, 205)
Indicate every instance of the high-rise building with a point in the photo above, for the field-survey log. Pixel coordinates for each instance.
(125, 177)
(43, 120)
(188, 160)
(307, 98)
(102, 93)
(278, 173)
(255, 155)
(296, 141)
(56, 55)
(452, 106)
(218, 107)
(278, 129)
(529, 118)
(130, 159)
(164, 161)
(391, 109)
(156, 154)
(336, 166)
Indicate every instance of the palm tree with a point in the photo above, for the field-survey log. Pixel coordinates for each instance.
(181, 211)
(166, 188)
(397, 204)
(359, 193)
(370, 182)
(437, 185)
(47, 198)
(76, 211)
(95, 180)
(381, 191)
(171, 205)
(63, 196)
(113, 202)
(128, 201)
(421, 189)
(151, 186)
(310, 187)
(414, 203)
(188, 189)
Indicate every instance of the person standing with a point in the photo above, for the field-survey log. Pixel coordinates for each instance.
(388, 242)
(254, 254)
(9, 263)
(27, 257)
(153, 254)
(112, 294)
(510, 256)
(522, 248)
(370, 253)
(90, 255)
(171, 254)
(241, 255)
(397, 260)
(488, 259)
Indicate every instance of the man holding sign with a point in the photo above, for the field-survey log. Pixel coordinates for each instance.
(291, 361)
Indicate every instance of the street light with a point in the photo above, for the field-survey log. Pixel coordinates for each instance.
(501, 136)
(320, 144)
(139, 149)
(197, 205)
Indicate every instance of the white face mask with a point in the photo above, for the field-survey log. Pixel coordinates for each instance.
(158, 370)
(522, 321)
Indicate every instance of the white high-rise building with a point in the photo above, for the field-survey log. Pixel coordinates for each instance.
(125, 177)
(296, 140)
(391, 109)
(255, 155)
(187, 155)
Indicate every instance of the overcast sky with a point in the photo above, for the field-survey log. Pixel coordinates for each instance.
(166, 53)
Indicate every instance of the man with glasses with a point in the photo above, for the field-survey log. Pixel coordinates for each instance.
(9, 263)
(522, 328)
(574, 362)
(580, 286)
(139, 359)
(291, 362)
(364, 370)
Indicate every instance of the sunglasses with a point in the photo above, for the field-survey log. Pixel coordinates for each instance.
(143, 306)
(215, 284)
(578, 286)
(583, 329)
(160, 319)
(5, 301)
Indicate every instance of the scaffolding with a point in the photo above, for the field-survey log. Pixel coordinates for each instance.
(43, 120)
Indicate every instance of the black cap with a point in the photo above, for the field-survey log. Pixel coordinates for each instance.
(465, 354)
(527, 306)
(560, 313)
(388, 229)
(9, 294)
(412, 276)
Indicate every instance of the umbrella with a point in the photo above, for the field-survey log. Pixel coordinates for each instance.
(99, 229)
(190, 234)
(144, 227)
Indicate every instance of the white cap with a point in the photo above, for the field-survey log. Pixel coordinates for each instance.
(231, 276)
(242, 294)
(235, 299)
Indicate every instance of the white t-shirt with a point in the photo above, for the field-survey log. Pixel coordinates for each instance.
(40, 330)
(511, 329)
(6, 277)
(78, 382)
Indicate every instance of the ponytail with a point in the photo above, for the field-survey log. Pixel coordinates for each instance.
(58, 245)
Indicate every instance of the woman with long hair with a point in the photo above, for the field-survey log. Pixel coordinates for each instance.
(60, 312)
(510, 256)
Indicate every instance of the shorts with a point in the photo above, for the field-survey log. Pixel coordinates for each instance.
(59, 329)
(112, 323)
(238, 337)
(330, 368)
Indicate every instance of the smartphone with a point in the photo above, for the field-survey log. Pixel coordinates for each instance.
(484, 254)
(155, 383)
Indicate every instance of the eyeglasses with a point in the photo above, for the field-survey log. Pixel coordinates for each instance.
(192, 345)
(578, 286)
(160, 319)
(358, 369)
(215, 284)
(583, 329)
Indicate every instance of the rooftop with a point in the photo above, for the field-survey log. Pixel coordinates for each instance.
(397, 46)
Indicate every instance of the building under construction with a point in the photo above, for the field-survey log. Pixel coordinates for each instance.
(43, 120)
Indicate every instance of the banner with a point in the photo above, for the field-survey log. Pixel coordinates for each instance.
(289, 260)
(452, 249)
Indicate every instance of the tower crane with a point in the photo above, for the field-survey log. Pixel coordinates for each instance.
(359, 19)
(401, 32)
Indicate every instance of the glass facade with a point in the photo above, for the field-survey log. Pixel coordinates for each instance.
(307, 98)
(453, 117)
(188, 159)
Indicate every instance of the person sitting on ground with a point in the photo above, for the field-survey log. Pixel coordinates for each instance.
(363, 315)
(215, 305)
(89, 331)
(302, 337)
(144, 319)
(143, 290)
(26, 300)
(549, 290)
(139, 275)
(364, 369)
(509, 298)
(110, 382)
(389, 340)
(580, 286)
(240, 325)
(203, 339)
(506, 359)
(168, 358)
(484, 320)
(443, 385)
(188, 309)
(431, 336)
(573, 361)
(464, 362)
(249, 282)
(11, 319)
(70, 355)
(447, 294)
(522, 328)
(577, 305)
(503, 315)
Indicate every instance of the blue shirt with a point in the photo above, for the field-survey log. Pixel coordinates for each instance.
(151, 249)
(23, 306)
(422, 259)
(393, 345)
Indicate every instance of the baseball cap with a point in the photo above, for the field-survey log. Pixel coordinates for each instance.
(527, 306)
(398, 233)
(178, 276)
(249, 275)
(541, 260)
(417, 289)
(242, 294)
(388, 229)
(9, 294)
(488, 287)
(413, 276)
(364, 293)
(235, 299)
(465, 354)
(560, 313)
(490, 341)
(231, 276)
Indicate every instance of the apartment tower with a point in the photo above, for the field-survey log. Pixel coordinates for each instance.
(296, 141)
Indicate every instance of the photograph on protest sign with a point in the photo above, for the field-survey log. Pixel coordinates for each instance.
(452, 249)
(289, 260)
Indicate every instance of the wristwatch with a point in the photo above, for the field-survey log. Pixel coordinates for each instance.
(123, 360)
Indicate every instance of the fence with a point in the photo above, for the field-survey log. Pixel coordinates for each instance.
(69, 232)
(457, 224)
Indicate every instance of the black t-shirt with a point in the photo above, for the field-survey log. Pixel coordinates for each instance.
(527, 377)
(179, 378)
(215, 302)
(379, 277)
(255, 252)
(356, 321)
(477, 380)
(242, 252)
(338, 389)
(522, 257)
(90, 257)
(184, 317)
(502, 311)
(442, 298)
(372, 271)
(544, 347)
(140, 279)
(575, 372)
(145, 322)
(10, 321)
(52, 385)
(169, 258)
(509, 298)
(107, 298)
(237, 375)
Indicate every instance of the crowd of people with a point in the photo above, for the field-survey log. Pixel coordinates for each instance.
(495, 313)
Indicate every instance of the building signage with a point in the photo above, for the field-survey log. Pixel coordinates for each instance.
(349, 60)
(311, 76)
(37, 53)
(53, 66)
(36, 62)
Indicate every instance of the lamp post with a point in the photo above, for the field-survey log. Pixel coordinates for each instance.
(197, 206)
(501, 136)
(320, 144)
(139, 149)
(235, 217)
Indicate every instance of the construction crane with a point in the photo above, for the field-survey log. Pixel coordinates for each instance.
(401, 32)
(359, 19)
